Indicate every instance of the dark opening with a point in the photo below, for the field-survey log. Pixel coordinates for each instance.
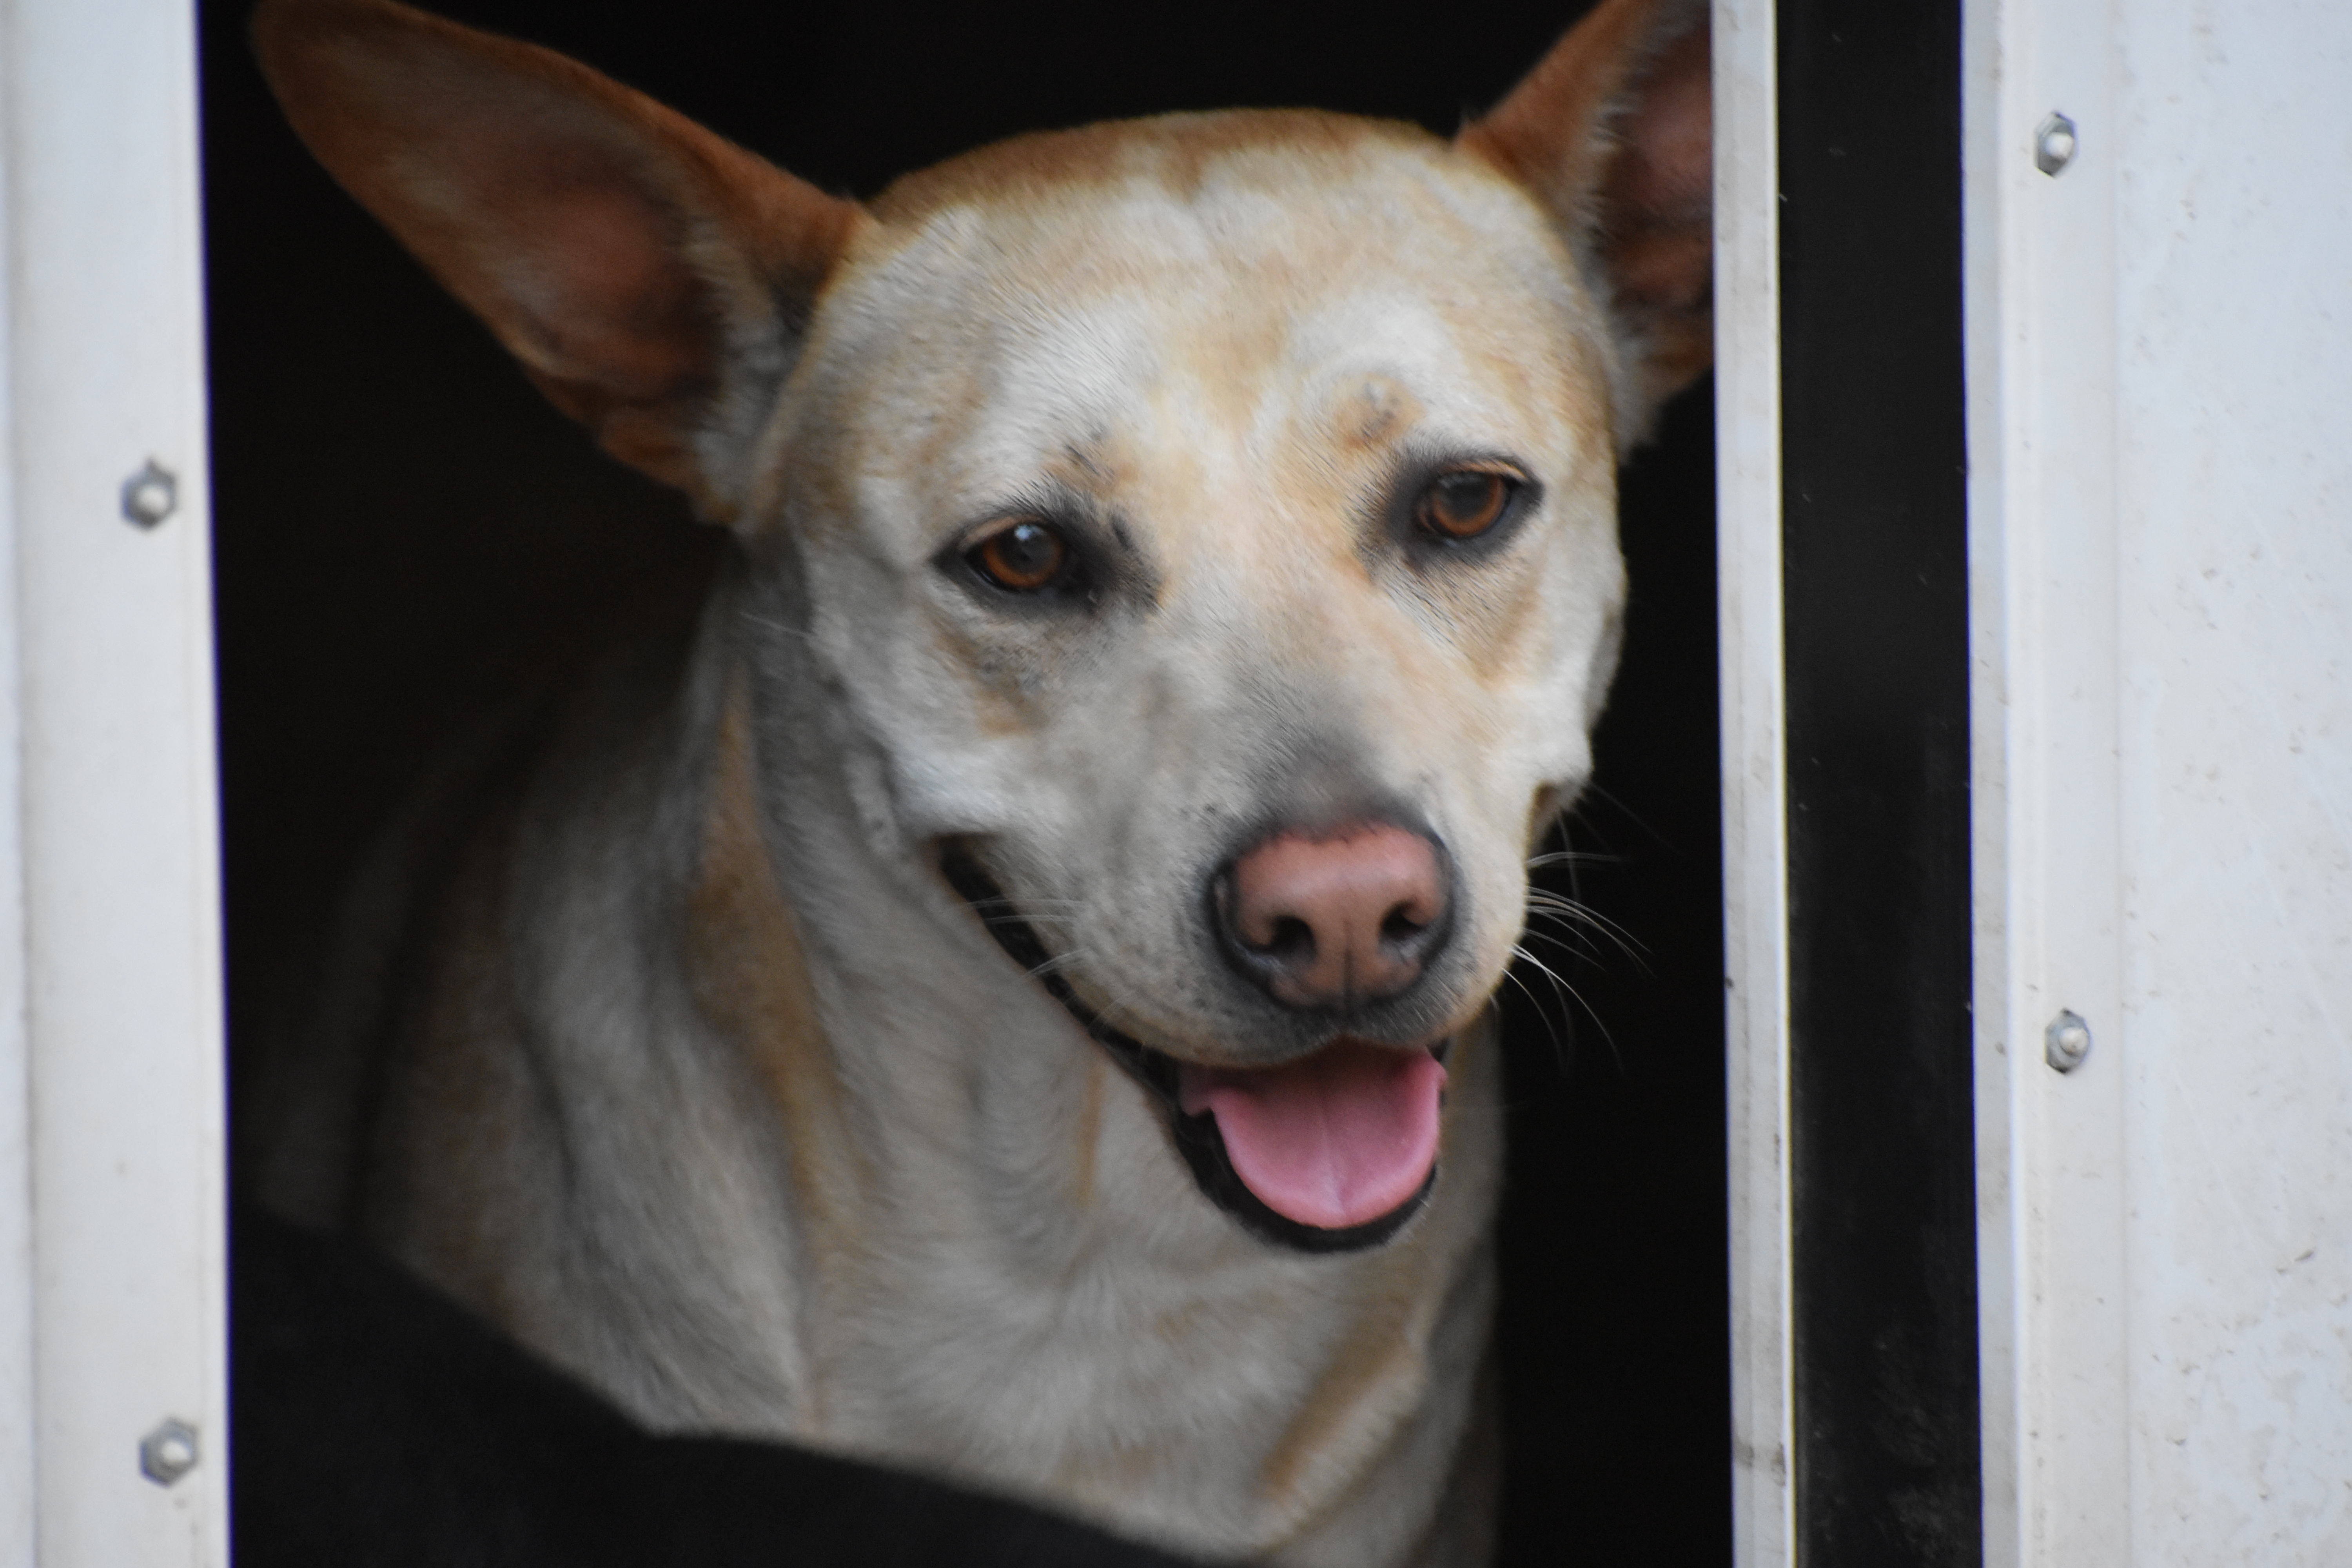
(1888, 1467)
(408, 533)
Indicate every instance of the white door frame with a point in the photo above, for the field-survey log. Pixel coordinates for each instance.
(1755, 798)
(113, 1332)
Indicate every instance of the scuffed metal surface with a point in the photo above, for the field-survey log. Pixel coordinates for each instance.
(2236, 522)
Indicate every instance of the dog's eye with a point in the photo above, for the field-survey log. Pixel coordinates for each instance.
(1024, 558)
(1465, 504)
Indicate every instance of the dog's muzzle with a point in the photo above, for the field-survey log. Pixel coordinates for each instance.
(1200, 1101)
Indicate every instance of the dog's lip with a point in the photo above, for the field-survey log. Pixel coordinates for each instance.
(1439, 1048)
(1215, 1057)
(1197, 1135)
(1201, 1142)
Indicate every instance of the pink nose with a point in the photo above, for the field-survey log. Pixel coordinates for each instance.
(1336, 920)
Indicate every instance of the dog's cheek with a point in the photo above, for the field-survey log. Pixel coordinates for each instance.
(1559, 694)
(1494, 892)
(1535, 746)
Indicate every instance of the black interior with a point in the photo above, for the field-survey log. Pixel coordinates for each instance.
(405, 533)
(1874, 534)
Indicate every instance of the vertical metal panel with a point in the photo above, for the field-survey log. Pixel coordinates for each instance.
(1755, 810)
(18, 1474)
(2233, 298)
(113, 640)
(1881, 1154)
(2044, 563)
(2164, 723)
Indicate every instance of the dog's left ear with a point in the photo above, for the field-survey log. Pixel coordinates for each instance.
(1613, 133)
(653, 278)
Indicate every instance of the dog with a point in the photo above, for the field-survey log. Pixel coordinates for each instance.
(1000, 982)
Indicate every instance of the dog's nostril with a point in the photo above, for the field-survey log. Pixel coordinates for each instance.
(1401, 925)
(1290, 940)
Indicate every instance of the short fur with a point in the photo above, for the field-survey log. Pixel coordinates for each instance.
(659, 1034)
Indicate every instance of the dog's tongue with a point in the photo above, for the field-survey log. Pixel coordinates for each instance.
(1333, 1140)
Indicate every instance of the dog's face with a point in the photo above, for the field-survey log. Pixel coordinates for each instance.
(1163, 487)
(1203, 525)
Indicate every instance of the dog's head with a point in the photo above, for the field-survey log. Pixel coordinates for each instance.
(1204, 525)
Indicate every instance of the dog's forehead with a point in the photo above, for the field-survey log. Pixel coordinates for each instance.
(1277, 151)
(1258, 279)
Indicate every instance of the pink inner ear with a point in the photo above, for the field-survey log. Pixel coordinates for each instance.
(1670, 136)
(615, 247)
(1659, 196)
(607, 297)
(1612, 134)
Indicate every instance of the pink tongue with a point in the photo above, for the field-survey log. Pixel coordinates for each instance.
(1332, 1140)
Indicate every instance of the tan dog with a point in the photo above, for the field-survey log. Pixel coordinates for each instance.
(1004, 987)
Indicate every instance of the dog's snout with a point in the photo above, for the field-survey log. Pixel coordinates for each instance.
(1336, 920)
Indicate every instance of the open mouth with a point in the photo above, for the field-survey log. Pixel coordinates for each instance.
(1334, 1152)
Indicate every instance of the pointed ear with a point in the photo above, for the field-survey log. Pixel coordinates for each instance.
(653, 278)
(1613, 133)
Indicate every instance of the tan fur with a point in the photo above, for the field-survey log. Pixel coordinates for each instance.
(688, 1066)
(742, 949)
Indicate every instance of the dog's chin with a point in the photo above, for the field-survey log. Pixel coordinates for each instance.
(1333, 1151)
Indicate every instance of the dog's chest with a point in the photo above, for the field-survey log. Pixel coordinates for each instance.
(1229, 1407)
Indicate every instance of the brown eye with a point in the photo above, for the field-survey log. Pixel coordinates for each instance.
(1465, 504)
(1024, 558)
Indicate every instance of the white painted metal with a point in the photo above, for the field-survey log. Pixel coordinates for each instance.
(1754, 812)
(119, 951)
(2161, 520)
(16, 1404)
(2234, 378)
(2041, 324)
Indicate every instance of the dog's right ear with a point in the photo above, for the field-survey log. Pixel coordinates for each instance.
(1611, 132)
(653, 278)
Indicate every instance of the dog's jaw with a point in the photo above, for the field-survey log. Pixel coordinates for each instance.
(1195, 1128)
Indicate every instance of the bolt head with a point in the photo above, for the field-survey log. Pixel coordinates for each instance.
(168, 1452)
(2055, 144)
(2066, 1041)
(151, 495)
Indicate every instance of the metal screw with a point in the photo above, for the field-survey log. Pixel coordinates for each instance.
(2066, 1041)
(151, 495)
(168, 1452)
(2053, 144)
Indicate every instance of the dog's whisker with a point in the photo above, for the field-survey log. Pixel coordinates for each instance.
(1596, 791)
(1054, 965)
(1559, 1053)
(1563, 1055)
(1031, 906)
(1118, 1010)
(1568, 944)
(1574, 907)
(1572, 857)
(1569, 920)
(1585, 916)
(1560, 920)
(1045, 902)
(1606, 1037)
(1580, 940)
(781, 629)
